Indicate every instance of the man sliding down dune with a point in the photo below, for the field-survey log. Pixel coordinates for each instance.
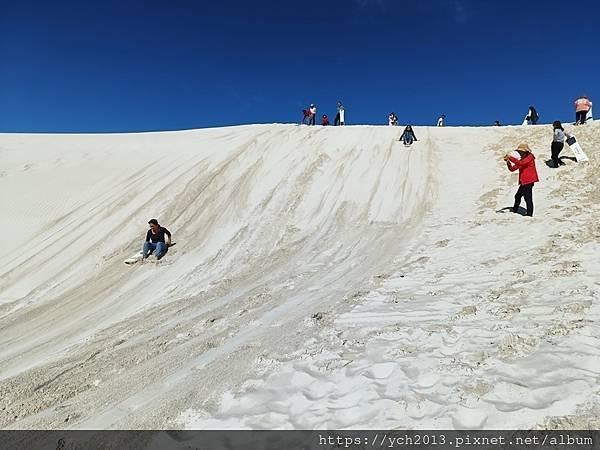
(155, 240)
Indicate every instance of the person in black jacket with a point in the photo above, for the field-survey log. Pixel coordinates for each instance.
(558, 143)
(408, 136)
(532, 116)
(155, 240)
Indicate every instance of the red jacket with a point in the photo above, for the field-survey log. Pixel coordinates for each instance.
(526, 165)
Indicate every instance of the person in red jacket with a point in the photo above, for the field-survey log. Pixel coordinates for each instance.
(527, 176)
(325, 120)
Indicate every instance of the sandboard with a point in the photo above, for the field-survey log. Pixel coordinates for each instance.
(577, 150)
(138, 257)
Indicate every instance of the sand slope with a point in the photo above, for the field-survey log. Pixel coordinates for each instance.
(323, 277)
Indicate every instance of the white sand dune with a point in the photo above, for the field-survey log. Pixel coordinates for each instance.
(322, 277)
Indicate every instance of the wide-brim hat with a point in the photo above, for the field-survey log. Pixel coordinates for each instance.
(524, 148)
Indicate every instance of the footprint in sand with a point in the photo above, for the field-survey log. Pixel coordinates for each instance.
(573, 308)
(513, 346)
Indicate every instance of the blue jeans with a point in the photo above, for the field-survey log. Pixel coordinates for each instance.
(159, 249)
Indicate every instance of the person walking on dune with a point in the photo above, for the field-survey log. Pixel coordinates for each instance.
(527, 176)
(441, 121)
(393, 119)
(558, 142)
(408, 136)
(582, 106)
(155, 240)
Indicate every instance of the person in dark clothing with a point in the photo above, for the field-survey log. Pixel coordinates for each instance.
(558, 142)
(305, 116)
(497, 123)
(155, 240)
(325, 120)
(408, 136)
(527, 176)
(532, 116)
(338, 120)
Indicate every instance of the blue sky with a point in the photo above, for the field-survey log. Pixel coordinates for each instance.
(72, 66)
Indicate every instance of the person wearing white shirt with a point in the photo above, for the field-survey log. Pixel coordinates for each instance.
(313, 114)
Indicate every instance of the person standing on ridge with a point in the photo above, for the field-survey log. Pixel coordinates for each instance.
(527, 176)
(155, 240)
(408, 136)
(497, 123)
(532, 116)
(313, 114)
(339, 117)
(582, 106)
(325, 120)
(441, 121)
(558, 142)
(392, 119)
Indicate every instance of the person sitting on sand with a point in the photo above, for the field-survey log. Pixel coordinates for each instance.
(155, 240)
(408, 136)
(527, 176)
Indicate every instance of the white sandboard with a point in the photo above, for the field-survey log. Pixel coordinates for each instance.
(577, 150)
(138, 257)
(134, 259)
(525, 120)
(589, 117)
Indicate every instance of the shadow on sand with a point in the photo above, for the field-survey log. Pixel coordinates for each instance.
(522, 211)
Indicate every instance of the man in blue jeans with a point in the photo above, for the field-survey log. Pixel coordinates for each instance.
(155, 240)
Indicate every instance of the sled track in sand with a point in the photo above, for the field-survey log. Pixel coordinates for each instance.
(273, 224)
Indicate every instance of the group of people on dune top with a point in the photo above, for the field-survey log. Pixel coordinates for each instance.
(393, 121)
(309, 116)
(583, 108)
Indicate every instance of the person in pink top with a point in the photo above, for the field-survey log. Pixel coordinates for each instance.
(582, 106)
